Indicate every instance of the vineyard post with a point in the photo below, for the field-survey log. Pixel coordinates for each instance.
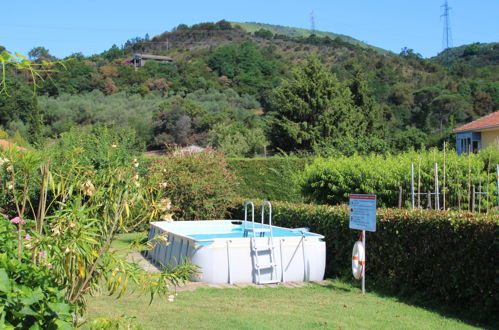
(444, 190)
(497, 169)
(419, 183)
(437, 192)
(469, 182)
(480, 196)
(412, 185)
(473, 196)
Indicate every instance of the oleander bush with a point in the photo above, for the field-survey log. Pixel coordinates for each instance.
(66, 203)
(443, 257)
(30, 297)
(268, 178)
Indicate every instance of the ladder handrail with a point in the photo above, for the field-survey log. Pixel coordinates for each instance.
(270, 215)
(246, 214)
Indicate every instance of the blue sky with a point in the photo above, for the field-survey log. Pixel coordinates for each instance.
(92, 26)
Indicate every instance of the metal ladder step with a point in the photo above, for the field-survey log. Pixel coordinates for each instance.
(258, 230)
(266, 266)
(263, 248)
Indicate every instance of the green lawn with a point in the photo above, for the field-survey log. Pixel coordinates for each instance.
(338, 306)
(335, 306)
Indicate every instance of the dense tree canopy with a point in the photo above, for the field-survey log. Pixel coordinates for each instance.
(243, 92)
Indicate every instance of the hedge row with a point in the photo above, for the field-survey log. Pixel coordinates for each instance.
(268, 178)
(446, 257)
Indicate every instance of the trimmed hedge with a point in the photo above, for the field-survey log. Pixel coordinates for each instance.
(264, 178)
(445, 257)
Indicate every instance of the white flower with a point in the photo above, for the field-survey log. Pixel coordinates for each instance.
(171, 298)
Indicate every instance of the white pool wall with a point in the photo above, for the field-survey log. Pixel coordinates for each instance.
(231, 260)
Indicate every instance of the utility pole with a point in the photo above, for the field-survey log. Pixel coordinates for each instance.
(312, 22)
(447, 36)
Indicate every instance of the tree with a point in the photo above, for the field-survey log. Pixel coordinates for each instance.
(179, 122)
(113, 53)
(251, 68)
(108, 87)
(236, 140)
(40, 54)
(312, 108)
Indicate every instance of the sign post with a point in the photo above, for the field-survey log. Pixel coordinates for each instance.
(363, 217)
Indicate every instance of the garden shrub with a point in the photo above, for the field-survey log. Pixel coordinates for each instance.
(29, 295)
(445, 257)
(199, 185)
(268, 178)
(331, 180)
(99, 145)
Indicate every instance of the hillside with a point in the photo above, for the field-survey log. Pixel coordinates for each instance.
(234, 89)
(477, 55)
(252, 27)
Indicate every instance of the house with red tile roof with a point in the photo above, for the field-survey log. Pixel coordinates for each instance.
(478, 134)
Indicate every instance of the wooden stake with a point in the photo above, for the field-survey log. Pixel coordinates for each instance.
(480, 196)
(469, 182)
(419, 183)
(400, 197)
(437, 190)
(473, 195)
(444, 189)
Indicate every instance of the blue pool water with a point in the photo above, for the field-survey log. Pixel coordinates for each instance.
(237, 231)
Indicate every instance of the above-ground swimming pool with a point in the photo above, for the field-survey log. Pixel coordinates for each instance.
(229, 251)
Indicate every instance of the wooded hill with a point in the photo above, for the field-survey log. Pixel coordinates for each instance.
(272, 88)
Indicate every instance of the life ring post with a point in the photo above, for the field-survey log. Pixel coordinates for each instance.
(364, 266)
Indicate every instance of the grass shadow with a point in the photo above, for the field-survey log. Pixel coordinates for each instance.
(411, 298)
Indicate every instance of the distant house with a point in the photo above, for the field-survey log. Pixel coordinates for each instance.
(478, 134)
(139, 60)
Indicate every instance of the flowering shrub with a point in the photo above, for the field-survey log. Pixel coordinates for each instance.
(64, 209)
(199, 184)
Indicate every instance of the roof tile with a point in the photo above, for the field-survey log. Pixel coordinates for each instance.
(490, 120)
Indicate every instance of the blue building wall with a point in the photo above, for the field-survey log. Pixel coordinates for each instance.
(473, 136)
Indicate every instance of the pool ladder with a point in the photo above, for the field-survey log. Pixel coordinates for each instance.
(267, 249)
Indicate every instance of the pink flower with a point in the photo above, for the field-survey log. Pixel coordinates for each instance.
(43, 254)
(16, 220)
(27, 237)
